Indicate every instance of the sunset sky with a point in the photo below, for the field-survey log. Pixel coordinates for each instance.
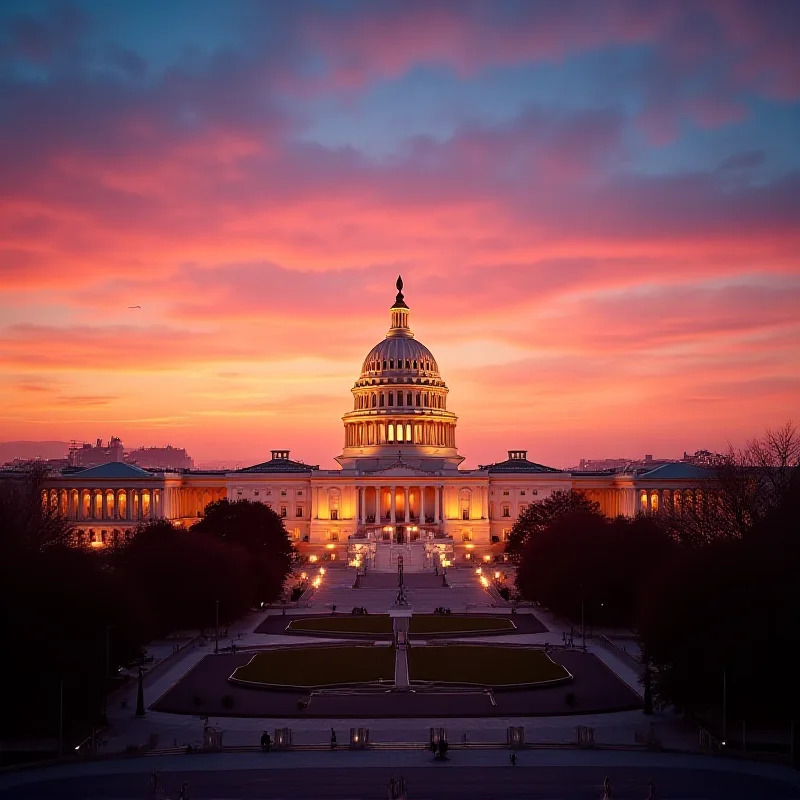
(595, 208)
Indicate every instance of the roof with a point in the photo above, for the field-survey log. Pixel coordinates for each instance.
(676, 471)
(115, 469)
(520, 465)
(278, 465)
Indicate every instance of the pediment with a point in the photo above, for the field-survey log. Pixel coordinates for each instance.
(400, 469)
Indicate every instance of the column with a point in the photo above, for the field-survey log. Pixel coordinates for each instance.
(361, 503)
(152, 504)
(394, 503)
(422, 504)
(436, 504)
(405, 506)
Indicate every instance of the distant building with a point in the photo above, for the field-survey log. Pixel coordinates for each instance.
(87, 455)
(621, 464)
(702, 458)
(168, 457)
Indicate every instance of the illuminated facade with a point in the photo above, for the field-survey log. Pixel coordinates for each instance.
(399, 489)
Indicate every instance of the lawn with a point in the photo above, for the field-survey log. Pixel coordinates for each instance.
(310, 667)
(488, 665)
(366, 624)
(453, 623)
(381, 624)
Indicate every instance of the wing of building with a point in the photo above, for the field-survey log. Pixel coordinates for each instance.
(399, 489)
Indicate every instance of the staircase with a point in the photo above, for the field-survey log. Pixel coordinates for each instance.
(386, 557)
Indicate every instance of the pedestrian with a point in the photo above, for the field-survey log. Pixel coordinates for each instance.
(333, 739)
(606, 789)
(184, 793)
(513, 759)
(651, 791)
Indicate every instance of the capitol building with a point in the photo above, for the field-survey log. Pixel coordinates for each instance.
(399, 490)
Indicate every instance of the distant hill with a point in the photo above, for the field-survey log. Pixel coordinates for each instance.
(44, 450)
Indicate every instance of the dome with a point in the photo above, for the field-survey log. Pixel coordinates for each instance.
(399, 354)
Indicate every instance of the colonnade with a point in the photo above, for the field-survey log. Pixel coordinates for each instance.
(676, 501)
(105, 504)
(425, 432)
(414, 505)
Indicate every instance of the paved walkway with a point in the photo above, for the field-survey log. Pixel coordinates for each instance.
(615, 728)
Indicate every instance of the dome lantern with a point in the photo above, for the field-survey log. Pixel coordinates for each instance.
(399, 313)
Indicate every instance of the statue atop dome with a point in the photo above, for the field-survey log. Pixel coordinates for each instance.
(398, 301)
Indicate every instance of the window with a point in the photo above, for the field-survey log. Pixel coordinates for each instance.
(505, 494)
(381, 399)
(464, 513)
(238, 492)
(374, 400)
(333, 536)
(296, 533)
(384, 363)
(391, 363)
(283, 512)
(408, 399)
(334, 513)
(268, 492)
(300, 493)
(283, 492)
(255, 493)
(522, 492)
(506, 534)
(391, 398)
(299, 511)
(506, 511)
(418, 398)
(399, 398)
(522, 507)
(391, 431)
(408, 364)
(408, 431)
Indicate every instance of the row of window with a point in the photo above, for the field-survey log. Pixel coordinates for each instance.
(506, 492)
(376, 364)
(268, 492)
(383, 399)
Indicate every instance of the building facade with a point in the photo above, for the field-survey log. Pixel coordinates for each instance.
(399, 490)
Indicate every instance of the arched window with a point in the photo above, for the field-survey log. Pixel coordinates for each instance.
(391, 398)
(408, 398)
(381, 399)
(399, 398)
(374, 399)
(384, 363)
(418, 398)
(391, 363)
(408, 363)
(415, 363)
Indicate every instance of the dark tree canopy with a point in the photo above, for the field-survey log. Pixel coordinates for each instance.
(182, 574)
(260, 531)
(538, 516)
(586, 557)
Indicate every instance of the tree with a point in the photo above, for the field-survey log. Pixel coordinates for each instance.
(739, 490)
(537, 516)
(586, 560)
(182, 574)
(260, 531)
(732, 607)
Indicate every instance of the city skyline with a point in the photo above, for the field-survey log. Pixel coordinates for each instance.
(594, 212)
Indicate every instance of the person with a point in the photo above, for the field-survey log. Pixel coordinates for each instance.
(184, 793)
(513, 759)
(154, 782)
(651, 791)
(333, 739)
(606, 788)
(266, 742)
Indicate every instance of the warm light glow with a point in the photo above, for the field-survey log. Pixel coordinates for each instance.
(484, 581)
(97, 544)
(329, 546)
(322, 570)
(487, 558)
(470, 546)
(313, 559)
(478, 570)
(497, 576)
(303, 576)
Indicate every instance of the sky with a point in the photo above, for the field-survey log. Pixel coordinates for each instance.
(595, 208)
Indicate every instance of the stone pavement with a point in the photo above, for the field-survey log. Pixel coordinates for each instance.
(614, 728)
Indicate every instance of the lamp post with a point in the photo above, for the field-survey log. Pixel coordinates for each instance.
(216, 632)
(583, 622)
(724, 706)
